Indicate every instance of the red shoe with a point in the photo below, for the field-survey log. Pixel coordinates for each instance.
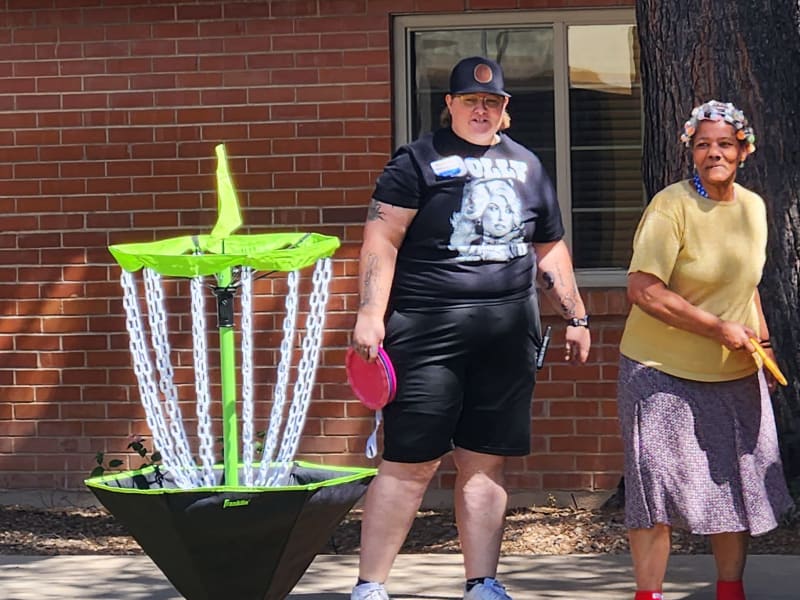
(730, 590)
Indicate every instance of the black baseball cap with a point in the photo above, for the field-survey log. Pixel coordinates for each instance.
(477, 74)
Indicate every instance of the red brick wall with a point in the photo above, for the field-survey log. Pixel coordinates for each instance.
(109, 114)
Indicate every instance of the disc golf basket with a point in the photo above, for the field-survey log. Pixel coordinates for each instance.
(246, 528)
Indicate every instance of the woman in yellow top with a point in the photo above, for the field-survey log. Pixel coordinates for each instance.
(701, 450)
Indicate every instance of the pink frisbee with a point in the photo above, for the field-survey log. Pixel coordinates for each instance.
(375, 383)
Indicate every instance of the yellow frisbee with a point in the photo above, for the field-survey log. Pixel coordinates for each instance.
(769, 363)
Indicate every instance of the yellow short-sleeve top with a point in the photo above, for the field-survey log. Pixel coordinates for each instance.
(711, 253)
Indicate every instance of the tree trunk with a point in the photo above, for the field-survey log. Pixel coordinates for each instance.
(746, 52)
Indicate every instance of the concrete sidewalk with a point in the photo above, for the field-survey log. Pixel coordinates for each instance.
(416, 576)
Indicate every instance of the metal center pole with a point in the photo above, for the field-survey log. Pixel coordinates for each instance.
(230, 432)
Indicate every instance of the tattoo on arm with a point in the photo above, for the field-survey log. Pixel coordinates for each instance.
(568, 306)
(559, 288)
(370, 273)
(374, 212)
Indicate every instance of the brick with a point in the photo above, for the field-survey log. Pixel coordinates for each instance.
(17, 462)
(574, 443)
(152, 14)
(296, 77)
(611, 444)
(17, 428)
(107, 49)
(322, 444)
(199, 12)
(222, 62)
(105, 428)
(343, 7)
(371, 22)
(549, 427)
(36, 411)
(600, 462)
(552, 462)
(293, 8)
(597, 426)
(17, 360)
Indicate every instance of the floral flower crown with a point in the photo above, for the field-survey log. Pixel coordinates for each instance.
(714, 110)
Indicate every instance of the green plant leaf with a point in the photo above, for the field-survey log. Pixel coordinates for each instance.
(115, 463)
(99, 458)
(97, 471)
(155, 456)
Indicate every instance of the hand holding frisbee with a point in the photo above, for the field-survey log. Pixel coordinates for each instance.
(374, 383)
(770, 364)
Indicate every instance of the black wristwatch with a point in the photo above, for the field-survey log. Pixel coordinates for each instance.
(576, 322)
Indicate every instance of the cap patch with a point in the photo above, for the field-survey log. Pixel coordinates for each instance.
(482, 73)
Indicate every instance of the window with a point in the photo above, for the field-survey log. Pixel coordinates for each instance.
(576, 102)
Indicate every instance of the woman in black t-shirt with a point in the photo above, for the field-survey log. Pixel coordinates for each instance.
(462, 225)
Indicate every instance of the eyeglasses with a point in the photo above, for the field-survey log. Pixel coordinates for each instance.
(488, 102)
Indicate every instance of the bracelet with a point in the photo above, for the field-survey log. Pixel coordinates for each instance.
(576, 322)
(766, 343)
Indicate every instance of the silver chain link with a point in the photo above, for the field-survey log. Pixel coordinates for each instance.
(157, 319)
(148, 390)
(201, 385)
(282, 382)
(171, 439)
(306, 372)
(248, 452)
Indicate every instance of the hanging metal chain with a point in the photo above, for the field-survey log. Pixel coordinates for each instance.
(158, 333)
(248, 452)
(282, 382)
(201, 385)
(148, 390)
(306, 372)
(169, 435)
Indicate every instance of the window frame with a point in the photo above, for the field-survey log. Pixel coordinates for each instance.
(403, 26)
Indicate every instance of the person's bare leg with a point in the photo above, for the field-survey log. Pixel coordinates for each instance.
(650, 554)
(480, 503)
(389, 510)
(730, 554)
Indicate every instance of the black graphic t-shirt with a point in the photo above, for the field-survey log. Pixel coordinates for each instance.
(479, 209)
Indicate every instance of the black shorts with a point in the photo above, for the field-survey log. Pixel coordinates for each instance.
(465, 378)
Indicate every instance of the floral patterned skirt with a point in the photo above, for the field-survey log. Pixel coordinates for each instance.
(699, 456)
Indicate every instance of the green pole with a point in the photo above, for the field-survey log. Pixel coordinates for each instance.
(227, 351)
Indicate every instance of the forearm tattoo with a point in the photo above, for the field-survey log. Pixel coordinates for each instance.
(567, 298)
(370, 274)
(374, 212)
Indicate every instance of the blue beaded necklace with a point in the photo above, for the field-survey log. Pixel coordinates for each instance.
(698, 185)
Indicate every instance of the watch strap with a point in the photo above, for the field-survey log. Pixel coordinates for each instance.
(578, 322)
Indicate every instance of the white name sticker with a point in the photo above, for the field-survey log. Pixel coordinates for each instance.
(450, 166)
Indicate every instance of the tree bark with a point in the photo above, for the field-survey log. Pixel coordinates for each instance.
(746, 52)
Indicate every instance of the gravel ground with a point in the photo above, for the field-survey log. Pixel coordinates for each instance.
(535, 530)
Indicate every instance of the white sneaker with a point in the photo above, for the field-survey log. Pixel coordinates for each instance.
(369, 591)
(490, 589)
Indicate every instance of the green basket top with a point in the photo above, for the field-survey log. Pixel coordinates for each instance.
(196, 255)
(193, 256)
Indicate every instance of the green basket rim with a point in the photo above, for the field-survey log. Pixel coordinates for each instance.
(349, 474)
(198, 255)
